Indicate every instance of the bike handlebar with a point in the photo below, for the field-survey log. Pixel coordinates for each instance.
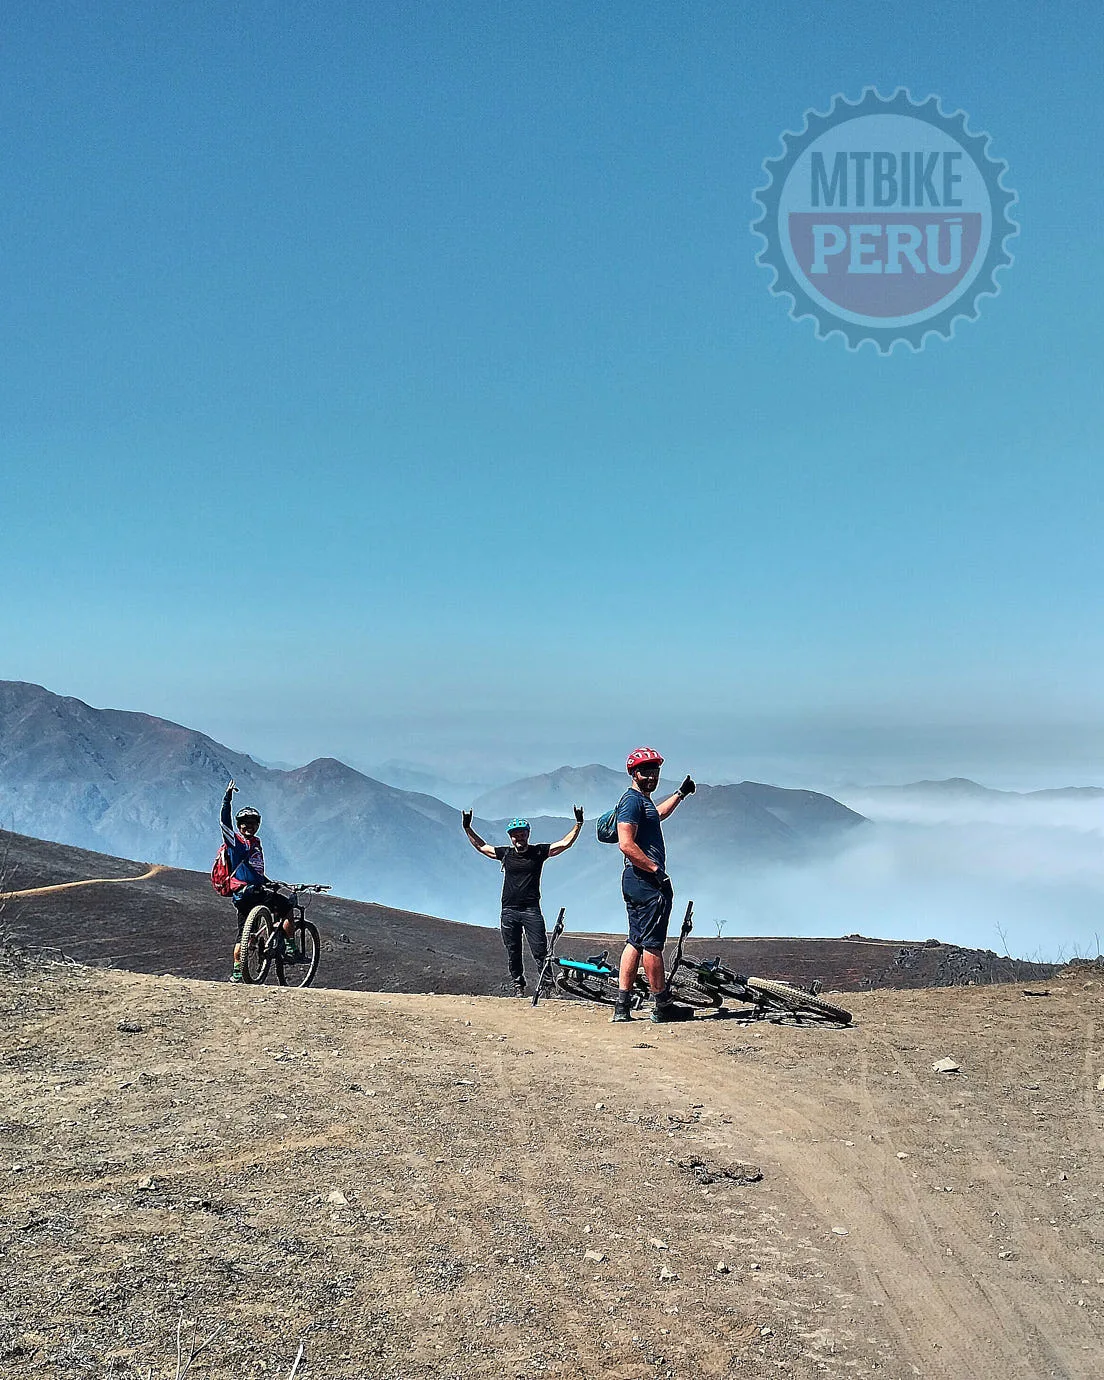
(305, 886)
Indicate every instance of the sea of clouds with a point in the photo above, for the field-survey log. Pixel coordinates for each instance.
(1023, 875)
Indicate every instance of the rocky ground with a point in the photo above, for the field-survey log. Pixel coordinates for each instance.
(449, 1186)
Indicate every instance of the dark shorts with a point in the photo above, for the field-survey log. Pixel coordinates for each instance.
(649, 908)
(278, 904)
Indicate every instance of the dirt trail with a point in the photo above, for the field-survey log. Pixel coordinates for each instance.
(458, 1187)
(154, 871)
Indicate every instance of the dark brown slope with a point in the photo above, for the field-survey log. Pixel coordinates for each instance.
(173, 922)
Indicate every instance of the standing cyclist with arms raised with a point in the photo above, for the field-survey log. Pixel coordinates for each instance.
(245, 859)
(521, 863)
(645, 884)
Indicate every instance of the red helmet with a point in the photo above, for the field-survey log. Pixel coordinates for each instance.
(642, 757)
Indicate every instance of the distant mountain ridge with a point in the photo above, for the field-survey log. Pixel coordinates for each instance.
(961, 787)
(768, 813)
(137, 786)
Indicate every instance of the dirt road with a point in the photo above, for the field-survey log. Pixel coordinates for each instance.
(446, 1186)
(153, 871)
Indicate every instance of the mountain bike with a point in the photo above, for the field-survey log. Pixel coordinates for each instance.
(591, 979)
(264, 944)
(709, 983)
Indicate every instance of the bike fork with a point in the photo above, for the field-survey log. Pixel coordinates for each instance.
(545, 975)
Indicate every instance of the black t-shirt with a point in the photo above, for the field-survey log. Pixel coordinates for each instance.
(521, 883)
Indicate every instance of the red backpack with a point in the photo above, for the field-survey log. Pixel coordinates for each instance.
(221, 878)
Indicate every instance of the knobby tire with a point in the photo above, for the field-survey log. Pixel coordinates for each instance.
(256, 953)
(305, 935)
(685, 988)
(793, 999)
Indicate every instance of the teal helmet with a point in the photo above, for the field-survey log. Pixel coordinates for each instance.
(517, 824)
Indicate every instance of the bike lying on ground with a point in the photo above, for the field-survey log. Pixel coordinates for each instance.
(709, 983)
(703, 985)
(592, 979)
(264, 944)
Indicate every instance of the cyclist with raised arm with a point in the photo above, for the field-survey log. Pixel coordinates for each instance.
(521, 913)
(250, 886)
(645, 885)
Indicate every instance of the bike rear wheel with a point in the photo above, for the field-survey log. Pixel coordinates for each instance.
(299, 974)
(684, 987)
(780, 996)
(588, 986)
(255, 942)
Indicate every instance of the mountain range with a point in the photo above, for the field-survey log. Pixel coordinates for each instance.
(962, 788)
(138, 786)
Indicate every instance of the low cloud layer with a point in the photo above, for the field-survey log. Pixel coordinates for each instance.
(990, 873)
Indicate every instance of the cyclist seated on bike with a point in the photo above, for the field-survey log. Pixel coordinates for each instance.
(245, 858)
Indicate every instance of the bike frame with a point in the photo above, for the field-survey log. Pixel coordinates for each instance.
(596, 968)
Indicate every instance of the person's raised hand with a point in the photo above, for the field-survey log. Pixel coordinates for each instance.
(466, 819)
(688, 787)
(578, 814)
(230, 787)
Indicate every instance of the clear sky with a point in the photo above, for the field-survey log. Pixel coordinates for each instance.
(398, 381)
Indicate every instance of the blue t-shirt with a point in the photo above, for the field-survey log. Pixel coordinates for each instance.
(636, 808)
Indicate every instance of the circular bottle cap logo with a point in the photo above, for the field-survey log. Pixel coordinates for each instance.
(885, 220)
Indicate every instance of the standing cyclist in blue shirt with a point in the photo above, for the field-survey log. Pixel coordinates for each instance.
(645, 884)
(247, 877)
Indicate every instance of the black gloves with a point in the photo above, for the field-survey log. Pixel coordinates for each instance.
(578, 814)
(687, 787)
(466, 819)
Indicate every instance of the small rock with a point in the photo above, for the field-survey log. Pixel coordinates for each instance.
(129, 1027)
(1006, 1255)
(945, 1066)
(755, 1267)
(1100, 1083)
(851, 1143)
(17, 1169)
(146, 1184)
(840, 1231)
(721, 1268)
(711, 1174)
(657, 1243)
(766, 1332)
(599, 1256)
(643, 1044)
(665, 1273)
(337, 1197)
(902, 1154)
(599, 1106)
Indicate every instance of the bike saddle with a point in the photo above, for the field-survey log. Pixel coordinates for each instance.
(597, 959)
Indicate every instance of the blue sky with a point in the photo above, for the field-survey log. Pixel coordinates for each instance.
(394, 381)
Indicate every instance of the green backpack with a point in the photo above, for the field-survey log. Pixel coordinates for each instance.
(606, 826)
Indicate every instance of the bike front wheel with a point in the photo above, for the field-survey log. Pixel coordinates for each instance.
(256, 948)
(780, 996)
(300, 973)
